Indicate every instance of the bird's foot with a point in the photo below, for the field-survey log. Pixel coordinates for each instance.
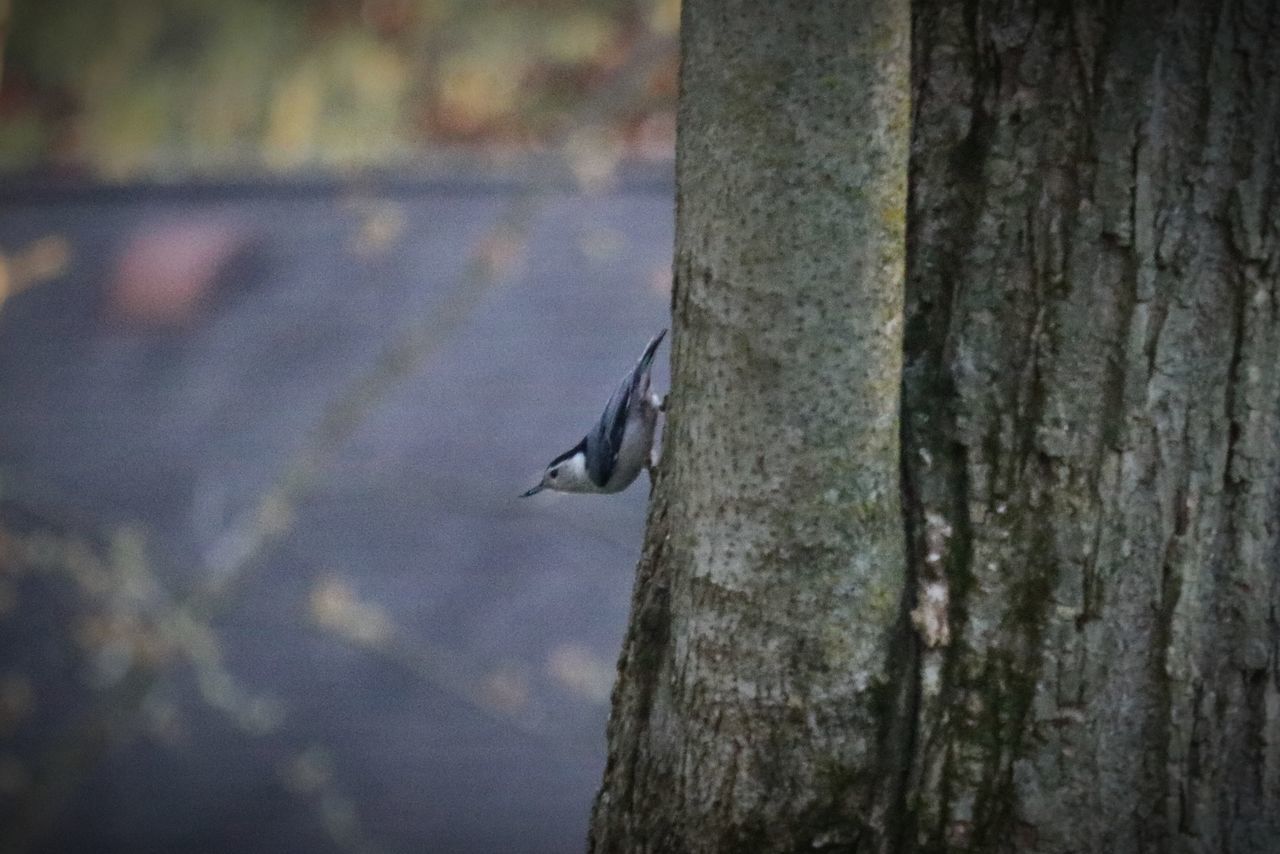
(651, 461)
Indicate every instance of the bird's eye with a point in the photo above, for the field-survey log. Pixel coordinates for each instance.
(552, 474)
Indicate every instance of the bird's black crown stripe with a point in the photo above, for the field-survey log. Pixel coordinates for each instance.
(581, 446)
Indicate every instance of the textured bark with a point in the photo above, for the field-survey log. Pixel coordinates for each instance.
(766, 602)
(1091, 410)
(1086, 652)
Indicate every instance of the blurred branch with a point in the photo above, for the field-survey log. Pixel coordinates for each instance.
(502, 693)
(310, 776)
(245, 542)
(131, 631)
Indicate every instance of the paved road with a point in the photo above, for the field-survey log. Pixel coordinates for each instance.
(266, 584)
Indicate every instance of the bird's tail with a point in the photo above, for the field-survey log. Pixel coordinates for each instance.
(647, 358)
(640, 376)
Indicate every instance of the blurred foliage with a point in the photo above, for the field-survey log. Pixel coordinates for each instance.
(127, 87)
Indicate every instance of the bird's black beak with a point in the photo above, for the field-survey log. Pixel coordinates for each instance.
(533, 491)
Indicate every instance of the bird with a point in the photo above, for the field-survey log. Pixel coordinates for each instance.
(618, 447)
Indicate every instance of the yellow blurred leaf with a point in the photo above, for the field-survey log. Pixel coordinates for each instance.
(594, 154)
(506, 689)
(664, 17)
(45, 258)
(581, 671)
(163, 720)
(474, 91)
(37, 262)
(334, 606)
(295, 114)
(580, 37)
(501, 254)
(309, 771)
(378, 73)
(380, 227)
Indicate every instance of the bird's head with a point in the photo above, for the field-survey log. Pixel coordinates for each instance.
(566, 473)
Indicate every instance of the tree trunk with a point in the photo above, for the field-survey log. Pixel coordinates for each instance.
(1091, 441)
(771, 579)
(1091, 408)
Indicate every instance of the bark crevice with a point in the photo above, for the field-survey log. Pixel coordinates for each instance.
(1104, 356)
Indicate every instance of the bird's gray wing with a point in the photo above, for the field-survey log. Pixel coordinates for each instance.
(606, 439)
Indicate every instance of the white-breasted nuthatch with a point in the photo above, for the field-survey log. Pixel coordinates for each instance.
(614, 451)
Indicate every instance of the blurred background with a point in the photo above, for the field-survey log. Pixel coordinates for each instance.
(295, 299)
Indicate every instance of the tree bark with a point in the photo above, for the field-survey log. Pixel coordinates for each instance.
(767, 596)
(1090, 405)
(1081, 649)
